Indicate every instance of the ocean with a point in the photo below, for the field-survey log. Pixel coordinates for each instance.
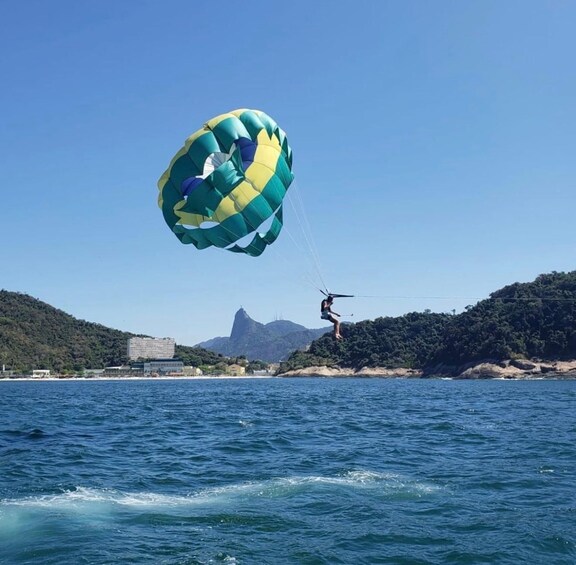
(288, 471)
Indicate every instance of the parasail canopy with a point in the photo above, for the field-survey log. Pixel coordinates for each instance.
(225, 187)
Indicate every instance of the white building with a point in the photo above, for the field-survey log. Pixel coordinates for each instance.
(164, 367)
(151, 348)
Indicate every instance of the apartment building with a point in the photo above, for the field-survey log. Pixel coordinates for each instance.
(151, 348)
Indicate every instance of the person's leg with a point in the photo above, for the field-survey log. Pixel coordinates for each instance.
(336, 327)
(335, 322)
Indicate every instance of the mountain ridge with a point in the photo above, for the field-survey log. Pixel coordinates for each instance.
(271, 342)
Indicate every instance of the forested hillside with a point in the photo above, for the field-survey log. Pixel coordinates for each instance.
(406, 341)
(531, 320)
(522, 320)
(36, 335)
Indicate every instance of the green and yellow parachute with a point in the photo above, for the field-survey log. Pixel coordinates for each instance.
(225, 187)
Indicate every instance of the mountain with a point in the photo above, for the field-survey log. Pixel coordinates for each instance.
(535, 320)
(35, 335)
(270, 342)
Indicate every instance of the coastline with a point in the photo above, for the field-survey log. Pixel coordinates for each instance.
(188, 378)
(512, 369)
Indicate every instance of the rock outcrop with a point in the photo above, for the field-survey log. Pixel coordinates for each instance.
(510, 369)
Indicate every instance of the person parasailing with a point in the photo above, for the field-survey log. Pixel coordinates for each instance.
(328, 314)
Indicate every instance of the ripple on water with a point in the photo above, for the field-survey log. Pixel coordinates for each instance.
(287, 471)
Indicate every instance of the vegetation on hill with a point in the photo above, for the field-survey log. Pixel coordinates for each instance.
(35, 335)
(197, 356)
(522, 320)
(406, 341)
(535, 320)
(529, 320)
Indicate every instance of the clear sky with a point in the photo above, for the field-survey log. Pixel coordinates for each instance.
(434, 153)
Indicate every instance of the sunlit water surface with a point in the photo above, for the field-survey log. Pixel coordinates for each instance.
(282, 471)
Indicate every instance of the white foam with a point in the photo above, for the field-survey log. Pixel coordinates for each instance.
(81, 497)
(85, 500)
(383, 483)
(370, 480)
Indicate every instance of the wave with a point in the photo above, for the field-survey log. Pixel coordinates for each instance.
(79, 498)
(383, 484)
(82, 496)
(35, 433)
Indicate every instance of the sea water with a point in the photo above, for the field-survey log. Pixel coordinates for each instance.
(283, 471)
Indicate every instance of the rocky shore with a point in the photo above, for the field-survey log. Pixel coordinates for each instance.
(509, 369)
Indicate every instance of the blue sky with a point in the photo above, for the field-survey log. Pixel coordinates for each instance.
(433, 150)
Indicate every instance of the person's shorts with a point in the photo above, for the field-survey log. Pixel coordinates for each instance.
(325, 315)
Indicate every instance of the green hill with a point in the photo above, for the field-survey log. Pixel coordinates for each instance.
(35, 335)
(406, 341)
(522, 320)
(535, 320)
(529, 320)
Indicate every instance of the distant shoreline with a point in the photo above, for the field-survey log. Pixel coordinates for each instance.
(196, 378)
(511, 369)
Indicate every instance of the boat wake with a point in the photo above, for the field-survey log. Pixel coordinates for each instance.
(101, 503)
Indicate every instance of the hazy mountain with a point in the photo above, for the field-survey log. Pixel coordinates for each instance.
(270, 342)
